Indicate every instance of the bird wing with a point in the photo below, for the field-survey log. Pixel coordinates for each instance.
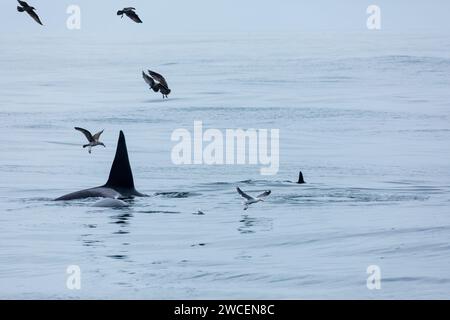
(34, 16)
(23, 4)
(243, 194)
(129, 9)
(133, 16)
(264, 194)
(86, 133)
(97, 135)
(148, 79)
(158, 78)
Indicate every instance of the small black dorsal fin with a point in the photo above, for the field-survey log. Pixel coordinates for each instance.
(300, 178)
(121, 176)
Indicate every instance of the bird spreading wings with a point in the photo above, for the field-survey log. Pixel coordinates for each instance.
(250, 199)
(156, 82)
(129, 12)
(30, 10)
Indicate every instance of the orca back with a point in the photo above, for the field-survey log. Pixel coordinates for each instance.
(120, 183)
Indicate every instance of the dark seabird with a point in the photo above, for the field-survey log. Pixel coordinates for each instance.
(248, 199)
(300, 178)
(30, 10)
(129, 12)
(157, 83)
(93, 139)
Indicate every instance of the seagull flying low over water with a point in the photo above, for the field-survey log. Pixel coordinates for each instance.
(93, 139)
(248, 199)
(30, 10)
(129, 12)
(156, 82)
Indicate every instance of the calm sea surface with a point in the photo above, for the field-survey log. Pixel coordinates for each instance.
(365, 117)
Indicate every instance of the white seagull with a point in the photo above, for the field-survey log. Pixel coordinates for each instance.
(93, 139)
(250, 200)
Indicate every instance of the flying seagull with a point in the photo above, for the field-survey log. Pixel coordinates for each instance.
(248, 199)
(30, 10)
(156, 82)
(129, 12)
(93, 139)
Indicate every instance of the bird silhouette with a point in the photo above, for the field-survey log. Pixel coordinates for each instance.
(25, 7)
(129, 12)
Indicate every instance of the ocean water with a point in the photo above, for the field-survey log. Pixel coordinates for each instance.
(364, 116)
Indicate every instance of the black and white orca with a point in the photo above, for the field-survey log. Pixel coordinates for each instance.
(120, 184)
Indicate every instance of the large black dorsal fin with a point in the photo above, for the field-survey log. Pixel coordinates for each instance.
(120, 176)
(300, 178)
